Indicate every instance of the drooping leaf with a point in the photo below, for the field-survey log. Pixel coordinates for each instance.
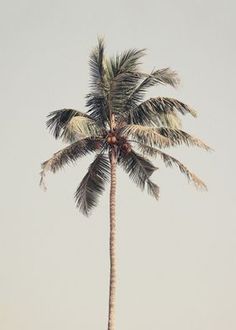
(139, 169)
(98, 108)
(178, 137)
(93, 184)
(169, 161)
(60, 118)
(153, 189)
(162, 137)
(161, 111)
(164, 76)
(67, 156)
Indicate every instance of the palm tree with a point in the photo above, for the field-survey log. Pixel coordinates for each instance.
(121, 129)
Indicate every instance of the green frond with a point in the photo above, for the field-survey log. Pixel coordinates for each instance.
(120, 89)
(67, 156)
(127, 61)
(93, 184)
(161, 111)
(96, 63)
(153, 189)
(97, 98)
(98, 108)
(146, 135)
(139, 169)
(123, 77)
(165, 102)
(162, 76)
(169, 161)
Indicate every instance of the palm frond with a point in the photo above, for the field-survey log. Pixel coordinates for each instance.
(162, 137)
(139, 169)
(81, 127)
(178, 137)
(162, 111)
(60, 118)
(98, 108)
(123, 77)
(162, 76)
(97, 98)
(96, 63)
(153, 189)
(120, 89)
(169, 161)
(146, 135)
(127, 61)
(93, 184)
(67, 156)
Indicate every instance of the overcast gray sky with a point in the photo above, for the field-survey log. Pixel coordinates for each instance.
(176, 258)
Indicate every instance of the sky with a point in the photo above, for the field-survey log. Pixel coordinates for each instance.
(176, 257)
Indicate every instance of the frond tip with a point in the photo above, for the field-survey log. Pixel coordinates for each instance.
(96, 63)
(153, 189)
(178, 137)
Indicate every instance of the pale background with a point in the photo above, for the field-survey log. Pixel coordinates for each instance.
(176, 258)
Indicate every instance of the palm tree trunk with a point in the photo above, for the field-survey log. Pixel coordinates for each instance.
(111, 318)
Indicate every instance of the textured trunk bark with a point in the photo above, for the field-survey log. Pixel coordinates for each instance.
(111, 318)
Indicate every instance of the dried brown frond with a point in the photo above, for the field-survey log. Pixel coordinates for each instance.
(146, 135)
(169, 161)
(67, 156)
(178, 137)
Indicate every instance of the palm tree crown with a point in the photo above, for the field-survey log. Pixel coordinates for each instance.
(118, 119)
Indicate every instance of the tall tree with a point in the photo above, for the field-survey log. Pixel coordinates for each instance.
(121, 128)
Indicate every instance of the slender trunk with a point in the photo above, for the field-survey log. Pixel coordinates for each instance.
(111, 318)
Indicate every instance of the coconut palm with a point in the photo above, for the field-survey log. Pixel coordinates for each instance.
(121, 128)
